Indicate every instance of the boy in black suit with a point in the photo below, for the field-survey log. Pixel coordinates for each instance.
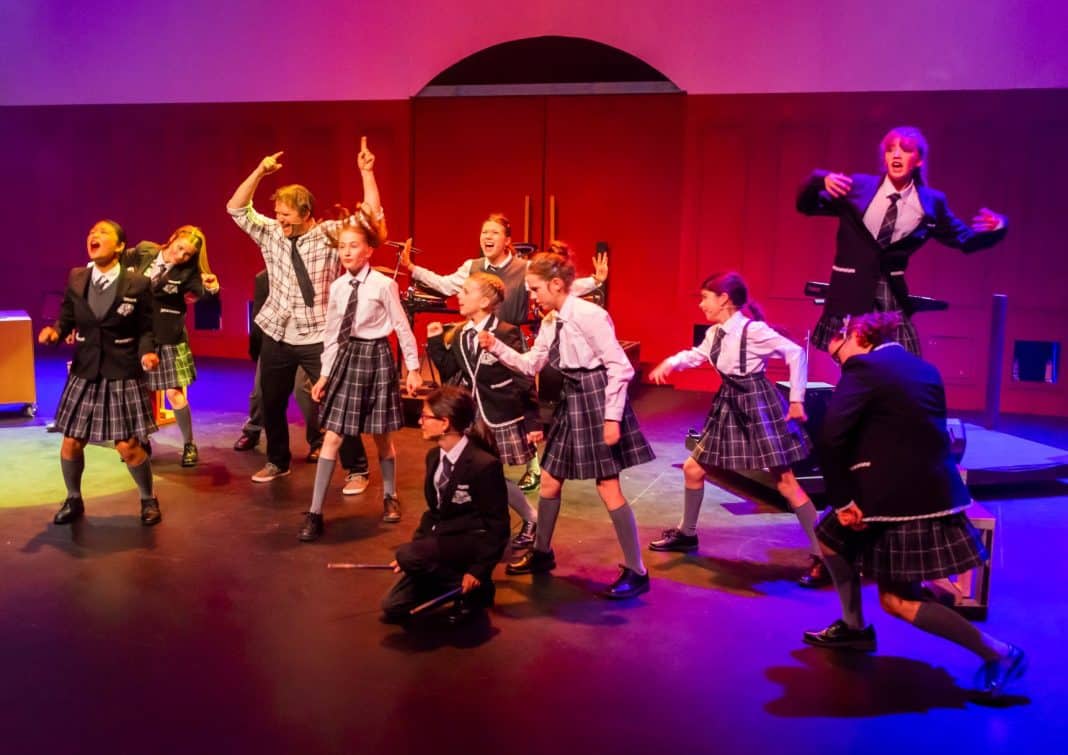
(883, 220)
(897, 500)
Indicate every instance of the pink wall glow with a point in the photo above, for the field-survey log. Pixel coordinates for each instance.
(112, 51)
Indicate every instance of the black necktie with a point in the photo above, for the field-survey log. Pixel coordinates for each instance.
(307, 291)
(469, 341)
(886, 230)
(157, 274)
(554, 347)
(345, 332)
(717, 344)
(443, 480)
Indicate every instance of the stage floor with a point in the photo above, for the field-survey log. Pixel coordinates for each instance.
(217, 631)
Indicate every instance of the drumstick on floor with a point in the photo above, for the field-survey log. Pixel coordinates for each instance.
(344, 565)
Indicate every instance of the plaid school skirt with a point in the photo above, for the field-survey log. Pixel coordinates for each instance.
(828, 326)
(747, 428)
(909, 551)
(575, 447)
(103, 409)
(363, 395)
(176, 368)
(512, 443)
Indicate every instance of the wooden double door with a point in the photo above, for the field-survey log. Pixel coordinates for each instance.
(583, 169)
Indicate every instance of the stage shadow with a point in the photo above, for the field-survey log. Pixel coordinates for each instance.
(572, 599)
(426, 634)
(202, 475)
(94, 536)
(841, 684)
(738, 577)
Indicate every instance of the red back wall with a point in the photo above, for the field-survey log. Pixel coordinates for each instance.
(679, 185)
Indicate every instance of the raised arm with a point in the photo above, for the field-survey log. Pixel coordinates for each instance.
(365, 160)
(243, 193)
(820, 190)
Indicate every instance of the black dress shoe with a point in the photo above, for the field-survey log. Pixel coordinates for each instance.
(247, 441)
(994, 676)
(190, 457)
(674, 540)
(629, 584)
(312, 529)
(313, 455)
(150, 513)
(532, 562)
(817, 574)
(839, 636)
(525, 537)
(72, 508)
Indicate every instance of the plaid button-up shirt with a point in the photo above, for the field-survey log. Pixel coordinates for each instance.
(284, 300)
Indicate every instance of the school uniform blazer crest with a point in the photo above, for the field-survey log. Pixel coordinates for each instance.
(859, 262)
(169, 294)
(471, 519)
(502, 395)
(112, 346)
(885, 443)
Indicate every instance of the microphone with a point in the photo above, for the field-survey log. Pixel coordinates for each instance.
(400, 245)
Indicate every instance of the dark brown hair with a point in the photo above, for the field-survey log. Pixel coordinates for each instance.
(455, 404)
(732, 284)
(874, 328)
(549, 265)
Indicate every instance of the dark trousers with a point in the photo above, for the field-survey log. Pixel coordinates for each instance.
(278, 370)
(428, 573)
(308, 408)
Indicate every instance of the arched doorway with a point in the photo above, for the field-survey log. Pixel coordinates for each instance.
(561, 156)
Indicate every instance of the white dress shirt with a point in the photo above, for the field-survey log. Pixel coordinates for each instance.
(761, 343)
(909, 210)
(587, 341)
(452, 283)
(110, 276)
(378, 313)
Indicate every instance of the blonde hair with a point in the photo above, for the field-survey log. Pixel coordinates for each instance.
(373, 229)
(296, 196)
(198, 241)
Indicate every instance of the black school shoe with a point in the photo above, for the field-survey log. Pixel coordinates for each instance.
(72, 508)
(532, 562)
(190, 455)
(839, 636)
(994, 676)
(150, 514)
(674, 540)
(629, 584)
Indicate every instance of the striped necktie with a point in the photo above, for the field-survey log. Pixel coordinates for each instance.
(886, 230)
(717, 345)
(344, 333)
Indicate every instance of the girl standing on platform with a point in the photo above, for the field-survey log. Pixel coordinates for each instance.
(358, 385)
(595, 434)
(504, 399)
(177, 272)
(746, 428)
(110, 312)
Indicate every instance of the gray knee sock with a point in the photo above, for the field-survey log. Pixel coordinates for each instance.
(324, 471)
(691, 509)
(185, 423)
(627, 534)
(72, 475)
(548, 510)
(519, 503)
(389, 476)
(847, 583)
(142, 475)
(807, 515)
(939, 620)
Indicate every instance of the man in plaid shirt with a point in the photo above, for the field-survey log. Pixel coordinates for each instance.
(301, 265)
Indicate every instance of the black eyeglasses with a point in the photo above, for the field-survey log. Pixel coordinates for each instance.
(834, 354)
